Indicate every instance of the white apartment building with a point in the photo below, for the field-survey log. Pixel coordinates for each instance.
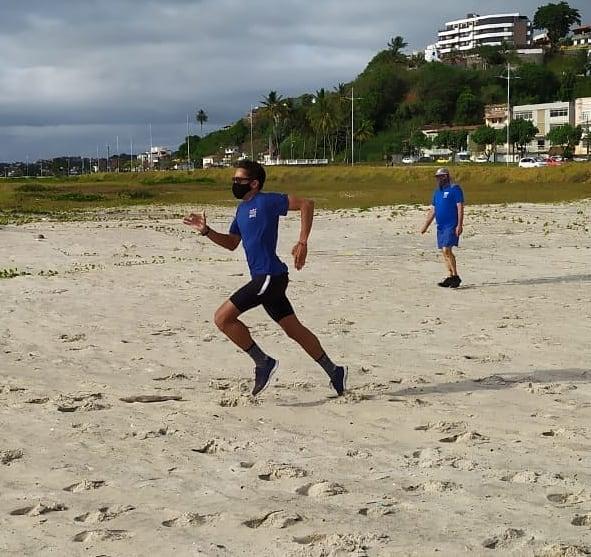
(582, 36)
(545, 117)
(473, 31)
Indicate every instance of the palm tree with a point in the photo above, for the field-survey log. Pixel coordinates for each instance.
(323, 116)
(363, 132)
(395, 46)
(201, 118)
(274, 106)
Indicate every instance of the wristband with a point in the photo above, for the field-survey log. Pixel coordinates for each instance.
(207, 231)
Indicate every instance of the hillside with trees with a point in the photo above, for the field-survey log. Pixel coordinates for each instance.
(398, 94)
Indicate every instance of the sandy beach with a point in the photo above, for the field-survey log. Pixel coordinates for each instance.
(466, 429)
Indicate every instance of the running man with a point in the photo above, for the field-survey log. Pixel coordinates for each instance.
(256, 224)
(447, 208)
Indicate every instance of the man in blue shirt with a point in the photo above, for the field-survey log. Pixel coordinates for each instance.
(447, 208)
(256, 225)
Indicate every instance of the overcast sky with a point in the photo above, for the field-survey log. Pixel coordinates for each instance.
(75, 74)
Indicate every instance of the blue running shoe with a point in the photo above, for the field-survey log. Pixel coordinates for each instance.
(263, 374)
(339, 379)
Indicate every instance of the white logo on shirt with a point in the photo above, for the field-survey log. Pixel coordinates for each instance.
(252, 214)
(445, 194)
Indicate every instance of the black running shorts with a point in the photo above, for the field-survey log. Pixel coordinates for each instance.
(268, 291)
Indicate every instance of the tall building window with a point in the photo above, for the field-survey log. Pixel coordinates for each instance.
(557, 112)
(527, 115)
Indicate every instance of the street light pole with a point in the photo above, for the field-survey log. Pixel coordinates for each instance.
(508, 78)
(352, 98)
(251, 135)
(188, 145)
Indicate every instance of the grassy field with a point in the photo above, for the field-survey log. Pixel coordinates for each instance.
(331, 187)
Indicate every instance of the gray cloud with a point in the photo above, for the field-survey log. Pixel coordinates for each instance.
(77, 74)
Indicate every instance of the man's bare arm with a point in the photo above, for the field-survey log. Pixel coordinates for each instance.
(306, 209)
(430, 217)
(199, 223)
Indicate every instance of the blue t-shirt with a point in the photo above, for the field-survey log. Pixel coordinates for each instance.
(257, 223)
(445, 201)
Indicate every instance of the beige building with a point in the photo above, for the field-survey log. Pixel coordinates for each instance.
(545, 117)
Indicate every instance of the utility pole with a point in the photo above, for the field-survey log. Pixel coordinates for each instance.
(131, 155)
(353, 98)
(251, 142)
(108, 158)
(188, 145)
(151, 146)
(117, 140)
(508, 79)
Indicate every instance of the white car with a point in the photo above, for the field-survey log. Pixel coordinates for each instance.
(481, 159)
(531, 162)
(409, 160)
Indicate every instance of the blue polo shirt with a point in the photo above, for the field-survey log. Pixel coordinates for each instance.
(257, 224)
(445, 201)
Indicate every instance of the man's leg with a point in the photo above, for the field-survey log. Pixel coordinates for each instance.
(309, 342)
(226, 319)
(451, 261)
(447, 261)
(455, 280)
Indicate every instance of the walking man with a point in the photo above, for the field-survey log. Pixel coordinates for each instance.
(447, 208)
(256, 225)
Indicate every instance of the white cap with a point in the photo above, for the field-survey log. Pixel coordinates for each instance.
(442, 172)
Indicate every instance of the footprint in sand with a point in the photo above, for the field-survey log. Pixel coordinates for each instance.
(212, 446)
(504, 540)
(142, 435)
(532, 477)
(104, 514)
(375, 509)
(565, 499)
(564, 550)
(442, 427)
(321, 489)
(190, 519)
(85, 485)
(235, 400)
(270, 472)
(173, 377)
(8, 456)
(463, 437)
(39, 509)
(275, 519)
(150, 398)
(102, 535)
(433, 487)
(80, 402)
(337, 544)
(582, 520)
(229, 384)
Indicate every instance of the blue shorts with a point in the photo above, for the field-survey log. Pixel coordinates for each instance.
(447, 237)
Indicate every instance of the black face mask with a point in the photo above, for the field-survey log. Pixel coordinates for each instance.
(240, 190)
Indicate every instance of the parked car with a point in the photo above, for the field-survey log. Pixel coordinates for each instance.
(408, 160)
(554, 161)
(531, 162)
(481, 159)
(441, 160)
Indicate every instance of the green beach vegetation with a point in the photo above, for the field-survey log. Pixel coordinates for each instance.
(332, 187)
